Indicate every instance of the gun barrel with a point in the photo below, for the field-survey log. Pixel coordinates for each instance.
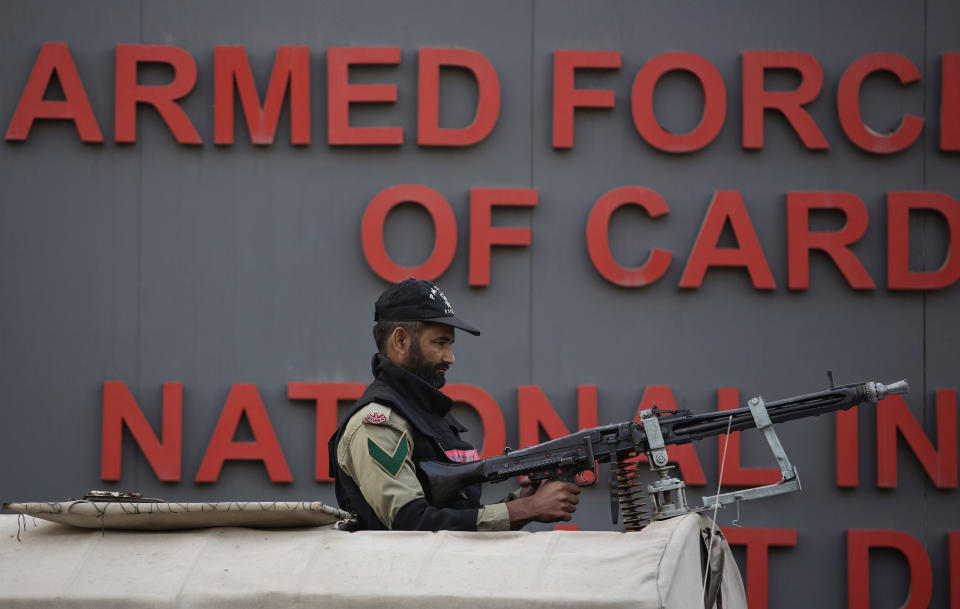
(878, 391)
(695, 427)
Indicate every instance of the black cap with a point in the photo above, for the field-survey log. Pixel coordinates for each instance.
(418, 300)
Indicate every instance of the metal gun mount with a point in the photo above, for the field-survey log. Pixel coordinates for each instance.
(667, 494)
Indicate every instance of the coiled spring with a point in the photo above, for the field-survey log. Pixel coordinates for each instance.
(632, 496)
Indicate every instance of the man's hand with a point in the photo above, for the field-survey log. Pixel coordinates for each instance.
(552, 502)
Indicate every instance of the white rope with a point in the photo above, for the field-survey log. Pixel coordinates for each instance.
(716, 505)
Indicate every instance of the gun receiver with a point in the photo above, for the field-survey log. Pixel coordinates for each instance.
(573, 458)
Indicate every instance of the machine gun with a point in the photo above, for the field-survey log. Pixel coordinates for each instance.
(574, 458)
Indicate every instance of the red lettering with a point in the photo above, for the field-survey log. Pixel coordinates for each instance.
(727, 205)
(445, 227)
(291, 68)
(54, 57)
(483, 235)
(848, 104)
(119, 409)
(899, 275)
(161, 97)
(894, 415)
(325, 397)
(244, 399)
(340, 94)
(847, 449)
(859, 542)
(534, 412)
(566, 97)
(683, 455)
(714, 102)
(758, 543)
(491, 417)
(728, 398)
(789, 103)
(598, 237)
(834, 243)
(429, 132)
(950, 102)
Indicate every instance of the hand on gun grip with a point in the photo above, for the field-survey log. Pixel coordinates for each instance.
(555, 501)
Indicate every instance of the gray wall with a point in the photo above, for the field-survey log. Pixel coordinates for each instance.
(210, 266)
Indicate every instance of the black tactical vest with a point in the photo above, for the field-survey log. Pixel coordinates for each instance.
(435, 432)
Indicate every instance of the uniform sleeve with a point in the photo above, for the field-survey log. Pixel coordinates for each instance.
(493, 517)
(376, 452)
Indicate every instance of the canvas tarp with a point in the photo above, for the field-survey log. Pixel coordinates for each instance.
(54, 565)
(162, 516)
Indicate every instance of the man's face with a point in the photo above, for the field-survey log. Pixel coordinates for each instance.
(431, 353)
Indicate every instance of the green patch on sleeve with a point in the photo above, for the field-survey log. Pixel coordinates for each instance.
(391, 463)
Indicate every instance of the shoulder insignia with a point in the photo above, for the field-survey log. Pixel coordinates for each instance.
(375, 418)
(389, 462)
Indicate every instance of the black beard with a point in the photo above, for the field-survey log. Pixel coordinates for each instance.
(432, 374)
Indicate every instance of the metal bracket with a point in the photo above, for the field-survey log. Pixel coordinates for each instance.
(790, 480)
(651, 427)
(667, 495)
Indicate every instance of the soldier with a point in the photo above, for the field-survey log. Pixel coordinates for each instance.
(403, 419)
